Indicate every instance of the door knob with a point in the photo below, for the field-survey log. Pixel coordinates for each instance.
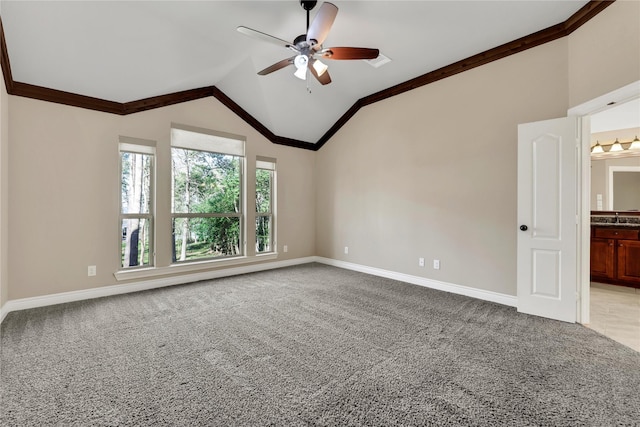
(524, 227)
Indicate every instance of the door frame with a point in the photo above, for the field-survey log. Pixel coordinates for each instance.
(584, 111)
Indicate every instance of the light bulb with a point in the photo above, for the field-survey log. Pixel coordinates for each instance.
(635, 145)
(616, 146)
(597, 148)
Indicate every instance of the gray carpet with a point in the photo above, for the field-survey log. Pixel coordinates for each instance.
(308, 345)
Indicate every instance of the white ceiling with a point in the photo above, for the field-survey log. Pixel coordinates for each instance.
(622, 116)
(129, 50)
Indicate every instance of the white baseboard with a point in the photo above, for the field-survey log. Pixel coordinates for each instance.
(61, 298)
(45, 300)
(496, 297)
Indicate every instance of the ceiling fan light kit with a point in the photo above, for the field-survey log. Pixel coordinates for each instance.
(308, 47)
(302, 63)
(320, 67)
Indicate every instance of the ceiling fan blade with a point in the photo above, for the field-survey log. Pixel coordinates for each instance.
(349, 53)
(322, 22)
(277, 66)
(324, 78)
(264, 37)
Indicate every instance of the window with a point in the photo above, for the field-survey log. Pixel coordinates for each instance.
(265, 179)
(207, 197)
(136, 203)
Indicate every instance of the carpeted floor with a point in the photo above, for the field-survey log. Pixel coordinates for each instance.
(308, 345)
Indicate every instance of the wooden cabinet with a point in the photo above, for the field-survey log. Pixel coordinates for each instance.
(602, 253)
(615, 255)
(629, 261)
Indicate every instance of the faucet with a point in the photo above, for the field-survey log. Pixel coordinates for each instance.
(617, 218)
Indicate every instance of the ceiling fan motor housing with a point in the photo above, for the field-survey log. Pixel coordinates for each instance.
(308, 4)
(303, 45)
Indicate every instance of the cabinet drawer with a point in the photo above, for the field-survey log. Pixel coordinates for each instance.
(616, 233)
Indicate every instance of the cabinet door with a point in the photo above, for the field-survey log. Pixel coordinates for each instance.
(602, 252)
(629, 260)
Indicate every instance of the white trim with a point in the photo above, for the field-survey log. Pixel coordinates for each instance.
(65, 297)
(618, 96)
(604, 102)
(3, 312)
(583, 297)
(481, 294)
(188, 267)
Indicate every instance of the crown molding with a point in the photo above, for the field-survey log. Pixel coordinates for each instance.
(4, 61)
(549, 34)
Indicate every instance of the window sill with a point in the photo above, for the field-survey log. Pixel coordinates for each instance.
(190, 267)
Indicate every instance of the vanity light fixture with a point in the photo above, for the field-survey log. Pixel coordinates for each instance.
(617, 147)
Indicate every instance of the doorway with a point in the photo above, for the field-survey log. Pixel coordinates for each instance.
(590, 112)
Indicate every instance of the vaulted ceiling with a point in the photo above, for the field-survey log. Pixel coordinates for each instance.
(122, 52)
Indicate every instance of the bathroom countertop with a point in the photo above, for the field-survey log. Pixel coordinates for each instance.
(613, 224)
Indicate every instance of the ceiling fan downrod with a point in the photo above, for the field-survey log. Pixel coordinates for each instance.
(308, 5)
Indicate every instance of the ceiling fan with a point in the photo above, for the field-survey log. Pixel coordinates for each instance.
(308, 47)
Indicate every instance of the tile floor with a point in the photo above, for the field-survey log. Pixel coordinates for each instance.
(615, 313)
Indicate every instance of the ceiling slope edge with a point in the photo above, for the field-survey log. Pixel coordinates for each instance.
(549, 34)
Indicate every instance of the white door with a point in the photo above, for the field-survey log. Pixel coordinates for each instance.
(547, 218)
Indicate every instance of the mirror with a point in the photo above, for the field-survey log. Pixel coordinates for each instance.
(615, 184)
(624, 188)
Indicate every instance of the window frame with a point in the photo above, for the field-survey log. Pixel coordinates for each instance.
(268, 164)
(146, 147)
(230, 145)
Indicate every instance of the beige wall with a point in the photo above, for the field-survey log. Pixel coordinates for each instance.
(4, 193)
(603, 53)
(432, 173)
(63, 202)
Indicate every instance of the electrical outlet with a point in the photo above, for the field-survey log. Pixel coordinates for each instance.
(436, 264)
(91, 270)
(421, 262)
(346, 249)
(285, 248)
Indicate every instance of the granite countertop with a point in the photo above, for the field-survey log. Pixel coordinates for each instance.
(612, 224)
(612, 221)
